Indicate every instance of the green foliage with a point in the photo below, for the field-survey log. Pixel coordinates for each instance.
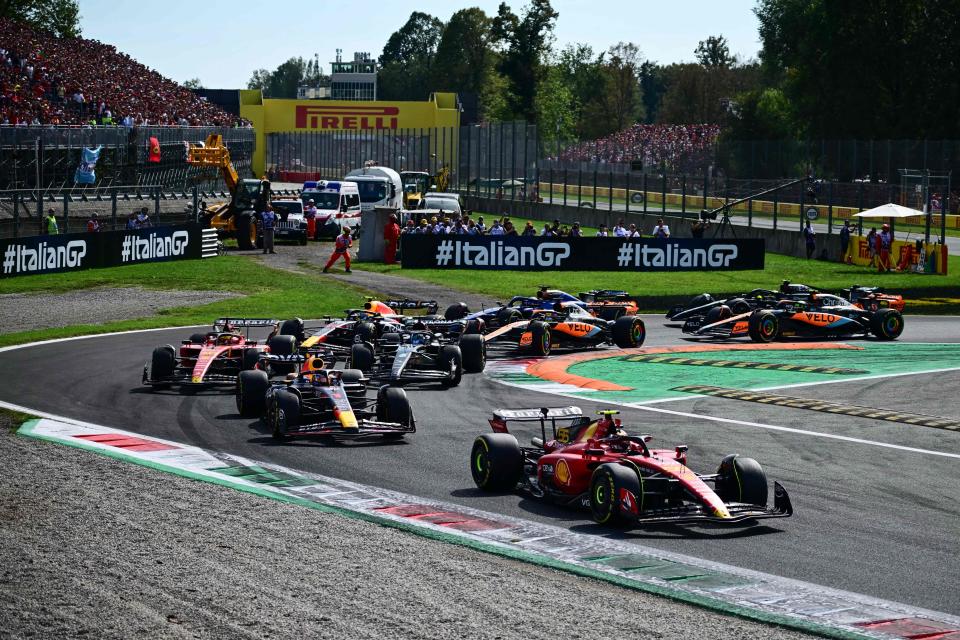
(193, 83)
(617, 100)
(526, 42)
(406, 64)
(714, 52)
(557, 109)
(285, 79)
(886, 69)
(60, 17)
(466, 63)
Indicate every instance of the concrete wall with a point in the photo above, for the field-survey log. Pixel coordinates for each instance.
(785, 242)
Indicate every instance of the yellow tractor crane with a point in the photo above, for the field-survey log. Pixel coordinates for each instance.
(234, 219)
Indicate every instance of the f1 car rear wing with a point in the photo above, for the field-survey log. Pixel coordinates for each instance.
(220, 323)
(543, 415)
(401, 305)
(601, 295)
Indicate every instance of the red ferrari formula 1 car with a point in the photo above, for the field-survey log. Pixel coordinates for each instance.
(595, 464)
(216, 357)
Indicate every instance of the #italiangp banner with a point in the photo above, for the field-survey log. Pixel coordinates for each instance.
(579, 254)
(75, 251)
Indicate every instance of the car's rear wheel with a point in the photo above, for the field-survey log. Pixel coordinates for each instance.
(474, 351)
(629, 332)
(251, 394)
(361, 356)
(700, 300)
(763, 326)
(887, 324)
(251, 357)
(741, 480)
(506, 316)
(615, 491)
(285, 413)
(456, 311)
(283, 346)
(541, 339)
(738, 306)
(496, 462)
(367, 331)
(716, 314)
(292, 327)
(450, 359)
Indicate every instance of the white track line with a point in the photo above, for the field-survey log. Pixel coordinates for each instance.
(761, 425)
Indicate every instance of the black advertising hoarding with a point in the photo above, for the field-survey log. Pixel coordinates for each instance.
(75, 251)
(579, 254)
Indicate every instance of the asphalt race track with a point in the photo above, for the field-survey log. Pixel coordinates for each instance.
(870, 519)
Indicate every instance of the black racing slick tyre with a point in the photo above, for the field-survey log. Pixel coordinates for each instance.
(615, 491)
(285, 412)
(716, 314)
(393, 406)
(198, 338)
(456, 311)
(361, 356)
(450, 359)
(474, 351)
(700, 300)
(763, 326)
(474, 325)
(506, 316)
(738, 306)
(741, 480)
(163, 361)
(292, 327)
(541, 340)
(283, 346)
(887, 324)
(367, 331)
(251, 394)
(629, 332)
(496, 462)
(357, 396)
(251, 357)
(244, 231)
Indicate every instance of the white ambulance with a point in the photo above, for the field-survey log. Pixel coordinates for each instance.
(337, 203)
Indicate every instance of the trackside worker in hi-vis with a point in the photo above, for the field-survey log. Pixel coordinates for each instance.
(341, 248)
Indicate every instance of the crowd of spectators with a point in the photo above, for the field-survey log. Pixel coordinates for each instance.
(45, 80)
(675, 147)
(465, 224)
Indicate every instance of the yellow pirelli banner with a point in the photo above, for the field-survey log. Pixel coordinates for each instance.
(270, 115)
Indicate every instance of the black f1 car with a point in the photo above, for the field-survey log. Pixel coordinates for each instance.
(820, 315)
(323, 402)
(595, 464)
(215, 357)
(420, 355)
(566, 326)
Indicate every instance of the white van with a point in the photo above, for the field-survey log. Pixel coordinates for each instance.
(380, 187)
(337, 203)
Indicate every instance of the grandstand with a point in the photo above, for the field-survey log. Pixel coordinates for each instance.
(672, 147)
(46, 80)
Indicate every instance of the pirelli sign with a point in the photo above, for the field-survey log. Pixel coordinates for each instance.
(334, 117)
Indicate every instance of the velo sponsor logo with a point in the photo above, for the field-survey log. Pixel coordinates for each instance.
(673, 256)
(457, 253)
(20, 258)
(150, 247)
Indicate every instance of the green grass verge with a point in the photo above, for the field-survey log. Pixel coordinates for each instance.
(658, 290)
(265, 292)
(11, 420)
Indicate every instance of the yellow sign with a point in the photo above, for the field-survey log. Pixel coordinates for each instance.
(270, 115)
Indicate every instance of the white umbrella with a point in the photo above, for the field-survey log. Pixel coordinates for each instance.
(889, 210)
